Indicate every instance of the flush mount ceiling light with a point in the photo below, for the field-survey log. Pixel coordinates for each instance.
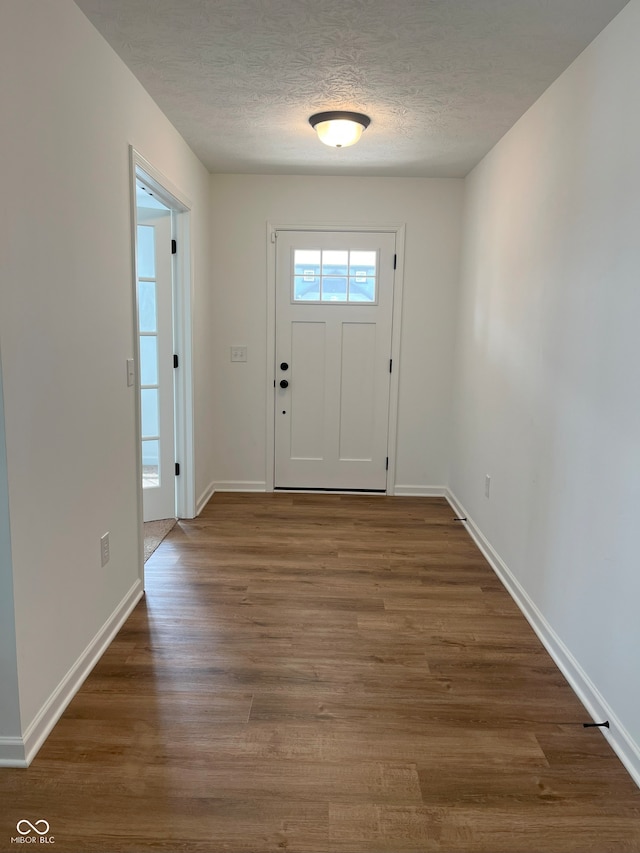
(339, 129)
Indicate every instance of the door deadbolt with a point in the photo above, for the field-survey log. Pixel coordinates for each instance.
(284, 366)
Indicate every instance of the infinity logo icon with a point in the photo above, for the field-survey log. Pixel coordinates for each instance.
(31, 827)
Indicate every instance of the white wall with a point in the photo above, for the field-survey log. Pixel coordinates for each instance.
(547, 394)
(241, 207)
(70, 109)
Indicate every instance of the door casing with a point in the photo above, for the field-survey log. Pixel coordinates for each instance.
(272, 228)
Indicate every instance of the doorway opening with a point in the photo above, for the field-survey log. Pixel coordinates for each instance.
(162, 299)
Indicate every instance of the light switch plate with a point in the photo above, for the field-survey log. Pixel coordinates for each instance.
(104, 549)
(238, 353)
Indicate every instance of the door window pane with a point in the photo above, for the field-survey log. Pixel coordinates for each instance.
(362, 290)
(149, 399)
(147, 306)
(362, 263)
(146, 251)
(306, 261)
(335, 263)
(306, 288)
(150, 464)
(148, 360)
(334, 289)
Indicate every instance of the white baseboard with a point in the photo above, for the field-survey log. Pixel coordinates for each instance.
(204, 498)
(420, 491)
(12, 752)
(240, 486)
(627, 750)
(20, 752)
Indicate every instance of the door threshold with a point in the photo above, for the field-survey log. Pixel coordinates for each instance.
(321, 491)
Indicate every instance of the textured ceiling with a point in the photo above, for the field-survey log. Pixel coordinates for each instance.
(442, 80)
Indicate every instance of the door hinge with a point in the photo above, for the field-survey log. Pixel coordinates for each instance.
(390, 365)
(387, 465)
(176, 360)
(177, 469)
(395, 261)
(174, 247)
(274, 236)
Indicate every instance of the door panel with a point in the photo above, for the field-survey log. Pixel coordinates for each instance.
(308, 387)
(357, 392)
(334, 299)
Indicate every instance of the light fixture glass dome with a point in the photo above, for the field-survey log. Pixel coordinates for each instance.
(339, 129)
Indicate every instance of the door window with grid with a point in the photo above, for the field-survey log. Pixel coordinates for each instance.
(330, 275)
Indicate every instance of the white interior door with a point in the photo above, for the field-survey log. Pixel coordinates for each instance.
(334, 301)
(155, 336)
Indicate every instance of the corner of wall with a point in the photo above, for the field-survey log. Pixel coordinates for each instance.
(204, 498)
(596, 706)
(39, 729)
(11, 747)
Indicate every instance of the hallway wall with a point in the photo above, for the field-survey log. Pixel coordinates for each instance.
(69, 114)
(546, 397)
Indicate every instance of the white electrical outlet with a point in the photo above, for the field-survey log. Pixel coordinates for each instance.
(487, 486)
(104, 549)
(238, 353)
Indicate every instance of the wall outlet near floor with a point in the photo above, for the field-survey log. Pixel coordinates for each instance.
(487, 486)
(104, 549)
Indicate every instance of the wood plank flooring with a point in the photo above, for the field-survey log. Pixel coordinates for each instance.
(325, 674)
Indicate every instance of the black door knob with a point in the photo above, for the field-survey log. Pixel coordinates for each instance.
(284, 366)
(284, 383)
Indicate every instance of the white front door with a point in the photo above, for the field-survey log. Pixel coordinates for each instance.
(155, 336)
(334, 300)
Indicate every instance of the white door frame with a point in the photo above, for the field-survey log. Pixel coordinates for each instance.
(399, 231)
(173, 198)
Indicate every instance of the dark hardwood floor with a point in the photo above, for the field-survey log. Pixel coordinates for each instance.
(323, 673)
